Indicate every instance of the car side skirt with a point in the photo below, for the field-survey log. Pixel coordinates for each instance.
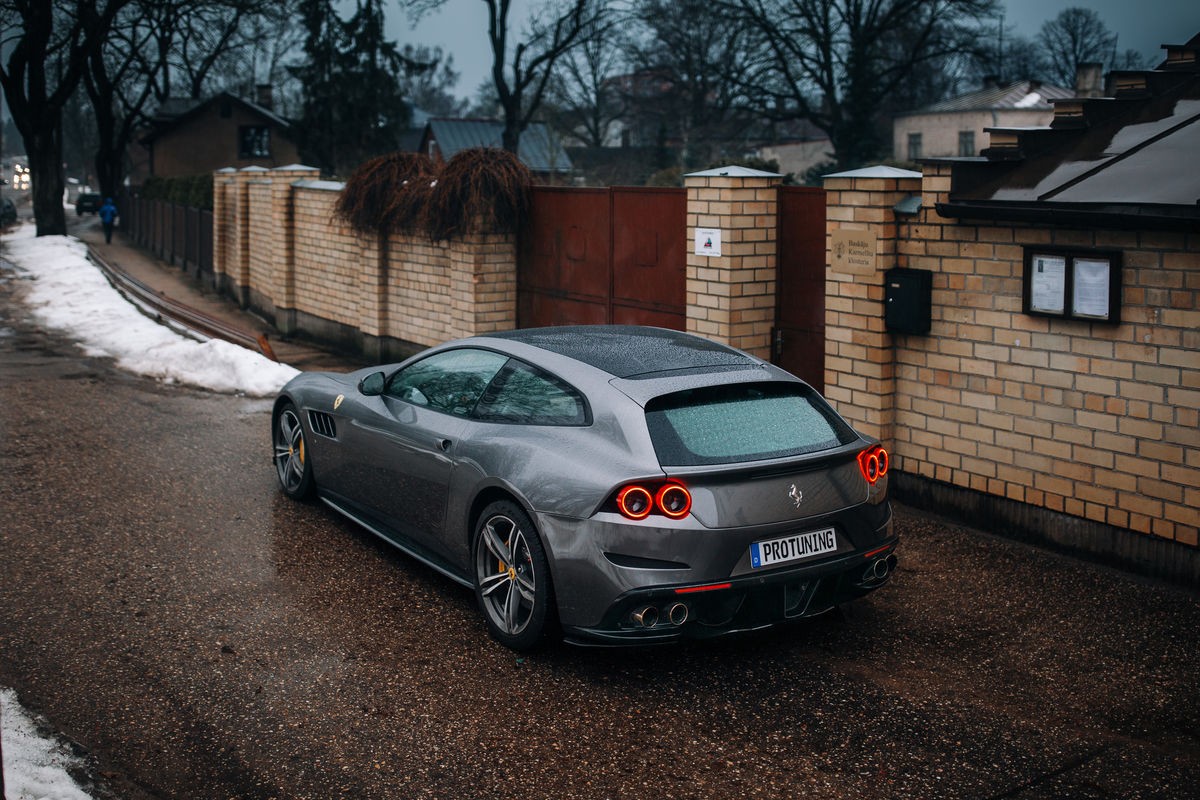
(400, 542)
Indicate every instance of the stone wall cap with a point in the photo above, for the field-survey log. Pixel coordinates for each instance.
(294, 167)
(254, 169)
(733, 172)
(878, 171)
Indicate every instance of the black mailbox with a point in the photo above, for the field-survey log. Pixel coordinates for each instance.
(907, 297)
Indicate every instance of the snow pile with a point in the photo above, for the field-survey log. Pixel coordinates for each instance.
(70, 294)
(35, 768)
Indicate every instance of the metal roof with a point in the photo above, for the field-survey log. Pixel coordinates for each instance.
(1126, 161)
(1032, 95)
(538, 148)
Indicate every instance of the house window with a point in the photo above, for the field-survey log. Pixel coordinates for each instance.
(966, 143)
(254, 141)
(914, 146)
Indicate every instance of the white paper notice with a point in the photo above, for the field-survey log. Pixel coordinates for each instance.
(708, 242)
(1049, 284)
(1090, 295)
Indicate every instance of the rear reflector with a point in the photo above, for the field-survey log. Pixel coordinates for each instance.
(711, 587)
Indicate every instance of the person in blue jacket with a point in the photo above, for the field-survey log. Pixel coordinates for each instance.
(108, 215)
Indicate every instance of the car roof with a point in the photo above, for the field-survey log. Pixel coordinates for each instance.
(633, 351)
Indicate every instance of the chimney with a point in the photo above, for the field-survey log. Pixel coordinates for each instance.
(1087, 79)
(264, 96)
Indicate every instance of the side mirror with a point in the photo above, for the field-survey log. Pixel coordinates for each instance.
(372, 385)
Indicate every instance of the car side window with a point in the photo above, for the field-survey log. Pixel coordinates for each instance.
(526, 395)
(451, 381)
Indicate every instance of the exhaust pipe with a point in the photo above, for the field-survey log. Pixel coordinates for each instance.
(878, 570)
(678, 614)
(646, 617)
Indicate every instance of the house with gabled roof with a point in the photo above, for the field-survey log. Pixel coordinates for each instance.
(193, 137)
(956, 127)
(539, 148)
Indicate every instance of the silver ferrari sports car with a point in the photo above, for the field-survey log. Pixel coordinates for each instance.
(610, 484)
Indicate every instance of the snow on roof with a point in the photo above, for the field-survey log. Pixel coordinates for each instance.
(1019, 95)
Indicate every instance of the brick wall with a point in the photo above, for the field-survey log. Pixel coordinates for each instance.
(328, 258)
(279, 248)
(1092, 421)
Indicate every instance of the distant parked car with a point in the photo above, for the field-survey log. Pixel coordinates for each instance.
(89, 202)
(8, 212)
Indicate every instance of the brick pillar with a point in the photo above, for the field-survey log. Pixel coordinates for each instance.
(731, 296)
(224, 207)
(483, 283)
(237, 272)
(373, 263)
(860, 369)
(281, 244)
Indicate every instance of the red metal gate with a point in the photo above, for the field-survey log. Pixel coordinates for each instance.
(799, 345)
(596, 256)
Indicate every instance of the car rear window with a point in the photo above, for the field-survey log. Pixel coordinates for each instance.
(742, 422)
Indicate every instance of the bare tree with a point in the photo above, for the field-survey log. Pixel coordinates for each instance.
(690, 66)
(53, 41)
(1076, 36)
(154, 46)
(1004, 56)
(522, 68)
(836, 63)
(431, 88)
(118, 91)
(586, 102)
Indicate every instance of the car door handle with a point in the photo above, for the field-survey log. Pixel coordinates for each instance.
(444, 444)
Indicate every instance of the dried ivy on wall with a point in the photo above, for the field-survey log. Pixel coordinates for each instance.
(480, 190)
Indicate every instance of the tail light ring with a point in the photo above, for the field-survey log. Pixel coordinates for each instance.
(671, 500)
(629, 501)
(873, 463)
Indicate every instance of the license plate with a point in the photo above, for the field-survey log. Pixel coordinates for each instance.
(796, 547)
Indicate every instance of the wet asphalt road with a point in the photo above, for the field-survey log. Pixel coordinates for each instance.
(199, 636)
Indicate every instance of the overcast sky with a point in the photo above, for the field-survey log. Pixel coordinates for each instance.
(1142, 25)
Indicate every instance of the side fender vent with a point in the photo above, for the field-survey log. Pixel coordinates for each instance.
(322, 423)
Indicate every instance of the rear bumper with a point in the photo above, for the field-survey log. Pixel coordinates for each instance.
(611, 577)
(670, 613)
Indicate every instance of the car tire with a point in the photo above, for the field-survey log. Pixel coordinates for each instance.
(293, 462)
(512, 578)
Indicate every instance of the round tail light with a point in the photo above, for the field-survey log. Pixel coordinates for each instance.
(674, 500)
(635, 502)
(873, 463)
